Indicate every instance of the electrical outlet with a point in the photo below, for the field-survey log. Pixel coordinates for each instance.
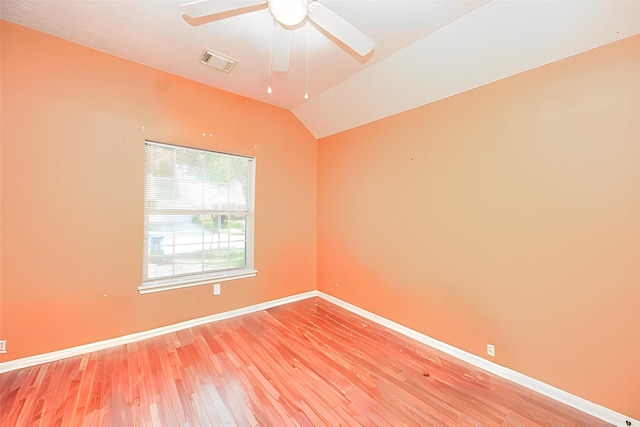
(3, 346)
(491, 350)
(216, 288)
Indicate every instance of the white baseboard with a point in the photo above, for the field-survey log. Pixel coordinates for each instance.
(26, 362)
(561, 396)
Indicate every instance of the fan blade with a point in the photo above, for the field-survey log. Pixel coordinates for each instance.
(199, 8)
(281, 54)
(340, 29)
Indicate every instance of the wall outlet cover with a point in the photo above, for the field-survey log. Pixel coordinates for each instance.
(491, 350)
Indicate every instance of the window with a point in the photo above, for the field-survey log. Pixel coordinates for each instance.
(198, 217)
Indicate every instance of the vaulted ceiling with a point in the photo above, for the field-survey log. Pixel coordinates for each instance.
(425, 50)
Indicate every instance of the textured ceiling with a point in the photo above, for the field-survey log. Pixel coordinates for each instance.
(424, 50)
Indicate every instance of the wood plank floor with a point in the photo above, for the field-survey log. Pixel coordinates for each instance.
(308, 363)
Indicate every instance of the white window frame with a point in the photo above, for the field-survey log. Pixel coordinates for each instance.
(194, 279)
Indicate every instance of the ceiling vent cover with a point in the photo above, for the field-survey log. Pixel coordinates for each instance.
(217, 60)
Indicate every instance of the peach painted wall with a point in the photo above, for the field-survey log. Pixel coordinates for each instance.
(72, 189)
(509, 214)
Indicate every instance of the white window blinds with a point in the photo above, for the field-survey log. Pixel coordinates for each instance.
(198, 216)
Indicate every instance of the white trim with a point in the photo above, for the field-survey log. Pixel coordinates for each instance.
(194, 280)
(561, 396)
(53, 356)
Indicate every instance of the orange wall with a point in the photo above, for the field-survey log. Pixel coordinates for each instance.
(72, 192)
(509, 214)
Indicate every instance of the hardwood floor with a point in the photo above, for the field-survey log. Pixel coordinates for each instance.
(308, 363)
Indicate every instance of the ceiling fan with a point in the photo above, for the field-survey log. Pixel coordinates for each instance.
(288, 14)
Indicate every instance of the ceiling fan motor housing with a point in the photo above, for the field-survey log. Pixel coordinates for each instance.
(289, 13)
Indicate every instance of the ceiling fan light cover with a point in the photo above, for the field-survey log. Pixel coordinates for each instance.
(289, 13)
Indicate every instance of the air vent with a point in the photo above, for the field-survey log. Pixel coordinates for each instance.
(217, 60)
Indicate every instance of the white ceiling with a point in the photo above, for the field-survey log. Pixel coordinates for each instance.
(425, 50)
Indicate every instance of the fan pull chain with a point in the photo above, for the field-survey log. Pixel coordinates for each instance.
(306, 73)
(273, 39)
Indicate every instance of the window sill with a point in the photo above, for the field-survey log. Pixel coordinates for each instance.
(195, 280)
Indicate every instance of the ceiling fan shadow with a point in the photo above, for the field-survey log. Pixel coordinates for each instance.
(202, 20)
